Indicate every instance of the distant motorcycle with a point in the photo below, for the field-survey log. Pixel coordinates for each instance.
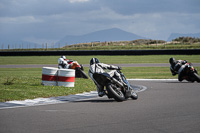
(190, 73)
(79, 71)
(114, 88)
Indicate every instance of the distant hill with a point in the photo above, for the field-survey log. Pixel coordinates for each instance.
(113, 34)
(177, 35)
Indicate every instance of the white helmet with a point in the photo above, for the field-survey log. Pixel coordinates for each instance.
(60, 60)
(63, 57)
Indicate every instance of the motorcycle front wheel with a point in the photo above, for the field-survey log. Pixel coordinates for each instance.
(115, 92)
(134, 95)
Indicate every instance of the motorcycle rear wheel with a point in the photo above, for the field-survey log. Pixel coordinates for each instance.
(81, 74)
(115, 92)
(84, 75)
(197, 77)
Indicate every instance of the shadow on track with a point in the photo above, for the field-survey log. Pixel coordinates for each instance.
(96, 101)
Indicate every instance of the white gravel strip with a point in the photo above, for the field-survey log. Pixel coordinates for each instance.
(153, 80)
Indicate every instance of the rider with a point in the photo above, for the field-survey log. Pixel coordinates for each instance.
(97, 67)
(177, 67)
(62, 63)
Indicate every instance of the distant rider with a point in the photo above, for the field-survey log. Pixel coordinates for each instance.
(63, 63)
(97, 67)
(177, 67)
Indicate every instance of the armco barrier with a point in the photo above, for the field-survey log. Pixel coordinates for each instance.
(58, 77)
(103, 52)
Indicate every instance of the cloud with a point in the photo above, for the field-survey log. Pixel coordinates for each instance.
(53, 19)
(40, 40)
(75, 1)
(128, 7)
(19, 20)
(13, 8)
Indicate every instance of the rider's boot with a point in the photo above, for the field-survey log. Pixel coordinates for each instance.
(101, 93)
(180, 76)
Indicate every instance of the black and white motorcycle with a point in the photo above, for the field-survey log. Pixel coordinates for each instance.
(120, 91)
(190, 73)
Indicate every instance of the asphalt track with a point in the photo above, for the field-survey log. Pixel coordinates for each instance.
(166, 106)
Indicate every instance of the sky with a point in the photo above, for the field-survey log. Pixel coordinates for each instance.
(50, 20)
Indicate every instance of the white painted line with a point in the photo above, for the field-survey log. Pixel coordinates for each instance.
(45, 101)
(152, 79)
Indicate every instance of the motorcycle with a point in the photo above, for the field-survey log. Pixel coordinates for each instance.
(79, 71)
(190, 73)
(114, 88)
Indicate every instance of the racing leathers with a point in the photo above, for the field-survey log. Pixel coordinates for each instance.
(178, 68)
(63, 64)
(100, 68)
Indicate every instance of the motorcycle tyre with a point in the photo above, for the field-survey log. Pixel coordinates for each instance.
(197, 77)
(134, 95)
(82, 74)
(118, 97)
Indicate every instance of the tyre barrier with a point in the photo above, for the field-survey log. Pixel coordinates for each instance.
(49, 76)
(58, 77)
(66, 77)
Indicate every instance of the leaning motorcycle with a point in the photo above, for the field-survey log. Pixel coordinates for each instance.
(114, 88)
(190, 73)
(79, 71)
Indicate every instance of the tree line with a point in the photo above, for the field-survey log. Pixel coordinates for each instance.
(187, 39)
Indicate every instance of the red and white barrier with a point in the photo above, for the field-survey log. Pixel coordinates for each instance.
(49, 76)
(61, 77)
(66, 77)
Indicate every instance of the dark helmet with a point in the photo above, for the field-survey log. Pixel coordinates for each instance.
(94, 61)
(172, 60)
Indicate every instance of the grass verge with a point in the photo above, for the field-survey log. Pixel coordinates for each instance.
(11, 60)
(20, 84)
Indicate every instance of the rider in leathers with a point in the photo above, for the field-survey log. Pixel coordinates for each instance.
(97, 67)
(177, 67)
(62, 63)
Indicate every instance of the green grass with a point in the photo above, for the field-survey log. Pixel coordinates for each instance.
(149, 73)
(4, 60)
(20, 84)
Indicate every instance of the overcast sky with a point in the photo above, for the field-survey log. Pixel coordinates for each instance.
(51, 20)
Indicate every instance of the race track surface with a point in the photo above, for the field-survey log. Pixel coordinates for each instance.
(166, 106)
